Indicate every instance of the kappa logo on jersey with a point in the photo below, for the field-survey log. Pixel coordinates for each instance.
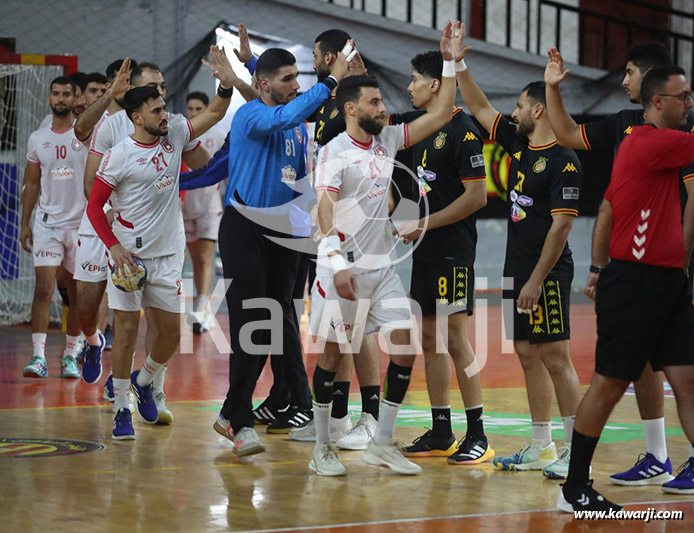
(570, 193)
(628, 130)
(63, 173)
(143, 161)
(379, 151)
(377, 191)
(440, 140)
(540, 165)
(167, 146)
(47, 144)
(333, 114)
(164, 183)
(76, 145)
(569, 168)
(288, 174)
(477, 160)
(517, 156)
(299, 137)
(469, 136)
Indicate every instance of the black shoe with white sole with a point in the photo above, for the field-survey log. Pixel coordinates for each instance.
(298, 418)
(266, 413)
(584, 498)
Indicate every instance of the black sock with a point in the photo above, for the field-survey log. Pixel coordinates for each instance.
(323, 385)
(582, 450)
(340, 399)
(397, 381)
(370, 397)
(475, 426)
(441, 417)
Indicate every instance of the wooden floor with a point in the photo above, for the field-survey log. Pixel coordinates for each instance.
(185, 477)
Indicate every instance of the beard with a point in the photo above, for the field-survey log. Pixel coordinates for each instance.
(322, 72)
(158, 132)
(370, 125)
(63, 111)
(525, 128)
(282, 99)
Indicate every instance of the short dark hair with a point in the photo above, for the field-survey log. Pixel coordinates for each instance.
(64, 80)
(332, 41)
(429, 64)
(271, 60)
(136, 73)
(655, 80)
(350, 89)
(80, 79)
(198, 95)
(536, 92)
(113, 68)
(135, 98)
(96, 77)
(649, 54)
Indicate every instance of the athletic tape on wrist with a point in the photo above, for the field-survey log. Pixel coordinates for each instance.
(448, 69)
(338, 263)
(460, 66)
(329, 244)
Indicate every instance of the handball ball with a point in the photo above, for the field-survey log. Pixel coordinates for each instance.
(130, 282)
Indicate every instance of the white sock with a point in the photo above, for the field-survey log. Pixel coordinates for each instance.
(159, 378)
(321, 419)
(71, 343)
(542, 433)
(386, 422)
(691, 450)
(39, 342)
(94, 340)
(203, 300)
(568, 422)
(148, 371)
(654, 431)
(120, 394)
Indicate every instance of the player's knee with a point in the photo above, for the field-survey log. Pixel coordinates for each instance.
(43, 291)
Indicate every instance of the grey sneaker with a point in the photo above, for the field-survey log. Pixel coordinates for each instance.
(389, 455)
(246, 442)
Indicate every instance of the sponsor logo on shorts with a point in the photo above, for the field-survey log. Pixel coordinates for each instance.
(35, 448)
(167, 146)
(570, 193)
(164, 183)
(48, 253)
(339, 325)
(62, 173)
(88, 266)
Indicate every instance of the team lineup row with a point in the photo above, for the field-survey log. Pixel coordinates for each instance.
(134, 162)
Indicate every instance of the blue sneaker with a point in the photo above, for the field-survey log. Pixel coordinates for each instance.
(36, 368)
(123, 426)
(684, 482)
(108, 335)
(647, 471)
(84, 348)
(108, 389)
(146, 407)
(91, 368)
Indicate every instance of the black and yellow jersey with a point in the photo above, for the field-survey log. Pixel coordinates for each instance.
(443, 163)
(329, 122)
(543, 181)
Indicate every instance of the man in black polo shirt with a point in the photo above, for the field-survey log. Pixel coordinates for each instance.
(450, 169)
(544, 187)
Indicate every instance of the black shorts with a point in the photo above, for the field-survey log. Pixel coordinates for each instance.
(549, 322)
(433, 285)
(644, 313)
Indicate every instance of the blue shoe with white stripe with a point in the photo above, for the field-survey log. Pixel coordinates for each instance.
(684, 482)
(647, 471)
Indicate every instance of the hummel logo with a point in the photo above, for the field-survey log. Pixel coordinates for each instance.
(645, 214)
(441, 417)
(584, 500)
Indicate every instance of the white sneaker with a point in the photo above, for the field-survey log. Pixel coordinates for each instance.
(209, 319)
(389, 455)
(360, 435)
(131, 403)
(197, 320)
(339, 427)
(165, 417)
(246, 442)
(325, 461)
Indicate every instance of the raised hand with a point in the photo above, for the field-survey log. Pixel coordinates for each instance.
(356, 67)
(554, 71)
(446, 41)
(121, 84)
(221, 68)
(243, 52)
(341, 66)
(458, 43)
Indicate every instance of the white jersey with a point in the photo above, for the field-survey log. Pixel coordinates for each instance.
(361, 174)
(144, 178)
(86, 227)
(199, 202)
(62, 159)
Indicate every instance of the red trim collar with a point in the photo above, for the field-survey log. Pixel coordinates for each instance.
(143, 145)
(363, 146)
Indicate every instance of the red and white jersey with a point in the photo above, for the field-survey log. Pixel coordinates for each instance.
(86, 227)
(199, 202)
(62, 159)
(144, 179)
(361, 174)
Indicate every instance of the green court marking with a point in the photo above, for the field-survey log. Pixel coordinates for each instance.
(510, 424)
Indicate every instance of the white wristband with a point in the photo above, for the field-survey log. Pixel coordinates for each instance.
(328, 244)
(448, 69)
(338, 263)
(460, 66)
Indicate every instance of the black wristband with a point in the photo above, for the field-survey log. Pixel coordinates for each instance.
(595, 269)
(224, 93)
(331, 82)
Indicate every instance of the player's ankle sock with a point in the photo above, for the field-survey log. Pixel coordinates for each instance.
(71, 343)
(159, 378)
(148, 371)
(321, 419)
(201, 304)
(386, 422)
(397, 381)
(120, 393)
(370, 397)
(475, 425)
(323, 382)
(654, 432)
(39, 342)
(582, 450)
(691, 450)
(568, 422)
(542, 433)
(340, 399)
(441, 420)
(93, 340)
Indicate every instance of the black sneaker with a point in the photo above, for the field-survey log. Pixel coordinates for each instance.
(430, 445)
(584, 498)
(266, 413)
(297, 418)
(471, 451)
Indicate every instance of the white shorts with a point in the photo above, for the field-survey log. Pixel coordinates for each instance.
(54, 247)
(163, 288)
(203, 227)
(91, 261)
(382, 304)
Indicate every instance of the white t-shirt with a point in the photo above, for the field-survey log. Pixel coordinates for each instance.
(62, 158)
(199, 202)
(85, 225)
(144, 179)
(361, 176)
